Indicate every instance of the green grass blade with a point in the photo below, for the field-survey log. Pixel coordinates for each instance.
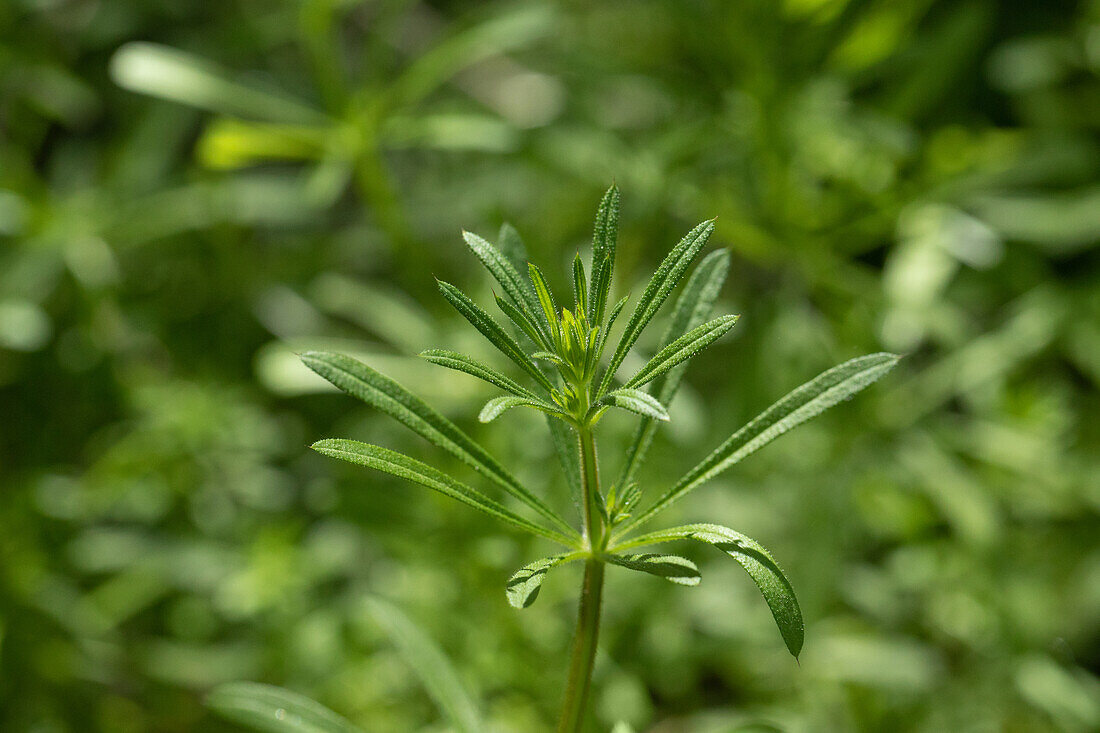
(682, 349)
(402, 466)
(672, 568)
(759, 563)
(798, 406)
(271, 709)
(497, 406)
(431, 665)
(382, 393)
(636, 401)
(492, 330)
(692, 308)
(524, 585)
(462, 363)
(605, 236)
(668, 274)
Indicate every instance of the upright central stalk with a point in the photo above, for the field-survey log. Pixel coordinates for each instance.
(588, 619)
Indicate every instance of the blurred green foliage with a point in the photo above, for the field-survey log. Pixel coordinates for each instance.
(190, 192)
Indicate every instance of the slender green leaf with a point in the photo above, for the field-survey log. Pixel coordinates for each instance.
(759, 563)
(637, 401)
(604, 242)
(497, 406)
(798, 406)
(668, 274)
(524, 586)
(499, 266)
(525, 325)
(431, 665)
(605, 330)
(547, 302)
(673, 568)
(396, 464)
(271, 709)
(692, 308)
(463, 363)
(580, 288)
(491, 330)
(682, 349)
(381, 392)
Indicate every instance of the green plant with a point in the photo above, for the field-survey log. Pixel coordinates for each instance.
(560, 350)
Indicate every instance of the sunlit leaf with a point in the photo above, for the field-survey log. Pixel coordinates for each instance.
(491, 330)
(497, 406)
(381, 392)
(402, 466)
(759, 563)
(673, 568)
(271, 709)
(692, 308)
(604, 241)
(637, 401)
(798, 406)
(516, 288)
(463, 363)
(524, 586)
(668, 274)
(682, 349)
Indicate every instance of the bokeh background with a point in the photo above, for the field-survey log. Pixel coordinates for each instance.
(192, 191)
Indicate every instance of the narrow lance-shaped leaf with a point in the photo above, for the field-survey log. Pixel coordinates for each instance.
(682, 349)
(673, 568)
(382, 393)
(580, 287)
(605, 236)
(800, 405)
(431, 665)
(491, 330)
(546, 301)
(525, 325)
(635, 401)
(692, 308)
(502, 270)
(463, 363)
(759, 563)
(666, 277)
(497, 406)
(524, 585)
(271, 709)
(402, 466)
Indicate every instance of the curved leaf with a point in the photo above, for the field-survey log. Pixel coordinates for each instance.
(637, 401)
(666, 277)
(759, 563)
(798, 406)
(469, 365)
(692, 308)
(381, 392)
(497, 406)
(502, 270)
(271, 709)
(524, 585)
(396, 464)
(672, 568)
(682, 349)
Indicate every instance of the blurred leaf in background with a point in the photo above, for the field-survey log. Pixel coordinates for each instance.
(192, 192)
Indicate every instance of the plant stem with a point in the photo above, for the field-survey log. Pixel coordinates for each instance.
(588, 618)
